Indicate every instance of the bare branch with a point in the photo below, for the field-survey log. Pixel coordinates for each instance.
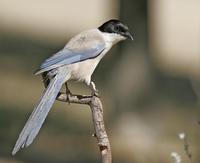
(98, 122)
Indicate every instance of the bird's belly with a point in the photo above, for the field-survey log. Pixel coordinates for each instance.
(82, 71)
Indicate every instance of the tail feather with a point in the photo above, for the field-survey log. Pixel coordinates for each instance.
(40, 112)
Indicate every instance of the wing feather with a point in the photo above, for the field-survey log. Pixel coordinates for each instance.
(67, 56)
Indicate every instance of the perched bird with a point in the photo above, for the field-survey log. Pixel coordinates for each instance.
(76, 61)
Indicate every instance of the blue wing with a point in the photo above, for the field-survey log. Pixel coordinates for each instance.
(67, 56)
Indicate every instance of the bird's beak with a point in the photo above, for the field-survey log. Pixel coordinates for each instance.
(128, 35)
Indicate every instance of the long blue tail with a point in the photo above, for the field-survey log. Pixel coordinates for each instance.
(40, 112)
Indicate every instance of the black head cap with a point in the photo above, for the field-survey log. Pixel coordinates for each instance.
(115, 26)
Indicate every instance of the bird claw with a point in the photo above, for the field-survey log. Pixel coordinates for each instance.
(96, 93)
(68, 94)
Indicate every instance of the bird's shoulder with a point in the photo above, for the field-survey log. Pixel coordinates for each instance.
(85, 40)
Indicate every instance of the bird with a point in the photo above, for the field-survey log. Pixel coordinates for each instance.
(76, 61)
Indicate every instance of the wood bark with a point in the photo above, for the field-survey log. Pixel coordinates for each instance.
(98, 121)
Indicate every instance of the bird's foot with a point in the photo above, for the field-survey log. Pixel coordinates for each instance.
(96, 93)
(69, 95)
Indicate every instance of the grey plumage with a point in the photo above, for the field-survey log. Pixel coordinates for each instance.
(60, 68)
(67, 56)
(77, 61)
(40, 112)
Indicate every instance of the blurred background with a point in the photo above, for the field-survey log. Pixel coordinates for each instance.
(150, 88)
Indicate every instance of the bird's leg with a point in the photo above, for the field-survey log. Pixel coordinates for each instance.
(46, 79)
(68, 93)
(95, 92)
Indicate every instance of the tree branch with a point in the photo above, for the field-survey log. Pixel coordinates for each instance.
(98, 122)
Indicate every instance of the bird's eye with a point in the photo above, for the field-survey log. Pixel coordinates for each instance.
(117, 29)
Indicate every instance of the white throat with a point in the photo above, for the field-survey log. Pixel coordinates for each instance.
(112, 38)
